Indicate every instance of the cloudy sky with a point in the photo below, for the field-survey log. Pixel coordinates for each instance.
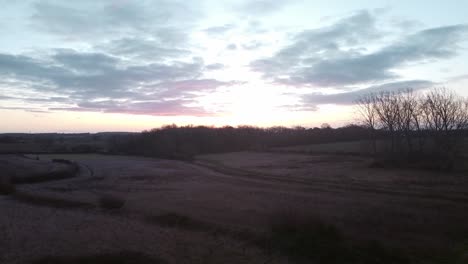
(129, 65)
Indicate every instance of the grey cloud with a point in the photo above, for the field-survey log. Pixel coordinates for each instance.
(348, 98)
(160, 108)
(321, 43)
(99, 70)
(85, 61)
(458, 78)
(300, 107)
(52, 99)
(252, 45)
(215, 66)
(142, 49)
(195, 85)
(256, 7)
(2, 97)
(231, 46)
(437, 43)
(98, 19)
(185, 89)
(86, 77)
(218, 30)
(27, 109)
(356, 29)
(336, 55)
(26, 67)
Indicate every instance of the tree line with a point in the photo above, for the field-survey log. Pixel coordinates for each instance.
(416, 126)
(184, 142)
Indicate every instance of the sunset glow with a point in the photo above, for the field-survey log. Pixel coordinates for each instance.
(92, 66)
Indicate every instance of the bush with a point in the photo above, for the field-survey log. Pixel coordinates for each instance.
(6, 187)
(111, 202)
(70, 171)
(307, 239)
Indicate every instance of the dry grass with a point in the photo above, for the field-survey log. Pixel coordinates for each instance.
(125, 257)
(308, 239)
(49, 201)
(240, 191)
(21, 169)
(111, 202)
(6, 186)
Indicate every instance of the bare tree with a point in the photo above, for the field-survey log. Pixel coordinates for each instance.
(446, 116)
(387, 109)
(439, 117)
(408, 109)
(367, 110)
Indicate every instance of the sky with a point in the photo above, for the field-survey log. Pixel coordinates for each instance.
(131, 65)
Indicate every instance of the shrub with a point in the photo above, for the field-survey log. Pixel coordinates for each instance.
(70, 171)
(111, 202)
(307, 239)
(6, 187)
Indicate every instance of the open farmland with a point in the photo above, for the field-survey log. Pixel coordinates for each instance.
(207, 208)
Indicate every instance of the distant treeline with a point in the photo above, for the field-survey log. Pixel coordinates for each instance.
(186, 141)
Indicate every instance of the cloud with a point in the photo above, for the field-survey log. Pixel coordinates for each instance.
(96, 62)
(134, 57)
(159, 108)
(2, 97)
(337, 55)
(231, 46)
(219, 30)
(215, 66)
(458, 78)
(349, 98)
(256, 7)
(96, 19)
(27, 109)
(252, 45)
(146, 49)
(300, 107)
(81, 78)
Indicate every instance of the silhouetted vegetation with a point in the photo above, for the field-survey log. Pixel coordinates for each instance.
(69, 171)
(175, 142)
(308, 239)
(422, 130)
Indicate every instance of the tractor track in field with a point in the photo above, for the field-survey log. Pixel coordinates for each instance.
(321, 185)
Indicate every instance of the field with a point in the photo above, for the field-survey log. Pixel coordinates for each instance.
(211, 210)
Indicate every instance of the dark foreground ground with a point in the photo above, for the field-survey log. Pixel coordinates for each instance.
(245, 207)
